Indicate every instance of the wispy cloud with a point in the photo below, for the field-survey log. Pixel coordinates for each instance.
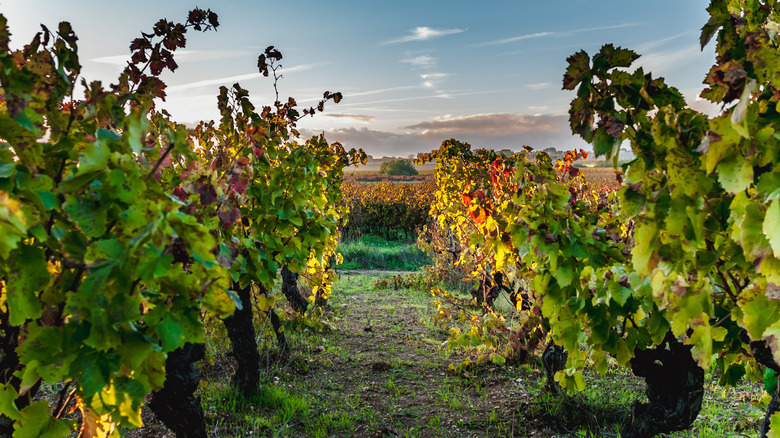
(434, 75)
(381, 90)
(357, 117)
(661, 63)
(432, 80)
(424, 33)
(539, 86)
(421, 61)
(427, 96)
(550, 33)
(233, 79)
(642, 48)
(507, 123)
(210, 82)
(517, 38)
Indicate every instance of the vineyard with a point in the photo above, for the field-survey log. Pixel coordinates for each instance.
(160, 280)
(386, 208)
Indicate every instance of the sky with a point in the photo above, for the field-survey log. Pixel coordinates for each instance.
(412, 73)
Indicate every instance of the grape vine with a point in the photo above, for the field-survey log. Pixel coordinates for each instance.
(119, 228)
(677, 270)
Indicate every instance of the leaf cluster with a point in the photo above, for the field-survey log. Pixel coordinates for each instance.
(120, 227)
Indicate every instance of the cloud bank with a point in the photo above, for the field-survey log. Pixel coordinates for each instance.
(494, 131)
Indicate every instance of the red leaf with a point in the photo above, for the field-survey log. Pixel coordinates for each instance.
(208, 194)
(479, 215)
(180, 193)
(228, 215)
(238, 184)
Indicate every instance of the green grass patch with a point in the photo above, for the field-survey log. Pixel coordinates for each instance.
(275, 411)
(372, 252)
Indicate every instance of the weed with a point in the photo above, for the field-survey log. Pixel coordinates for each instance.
(371, 252)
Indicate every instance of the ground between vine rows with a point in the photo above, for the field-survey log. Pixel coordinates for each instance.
(381, 369)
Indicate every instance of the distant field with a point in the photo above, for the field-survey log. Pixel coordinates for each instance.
(377, 177)
(596, 176)
(374, 168)
(600, 176)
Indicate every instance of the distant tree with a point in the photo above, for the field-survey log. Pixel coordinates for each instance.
(552, 151)
(506, 152)
(398, 167)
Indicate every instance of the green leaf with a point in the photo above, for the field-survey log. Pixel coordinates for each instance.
(701, 339)
(196, 237)
(577, 71)
(721, 145)
(645, 241)
(48, 199)
(8, 402)
(26, 277)
(605, 144)
(134, 350)
(219, 302)
(10, 236)
(733, 374)
(37, 423)
(95, 371)
(126, 188)
(719, 15)
(768, 186)
(498, 359)
(93, 158)
(88, 214)
(770, 381)
(735, 174)
(7, 170)
(564, 274)
(774, 426)
(760, 313)
(171, 333)
(751, 237)
(137, 126)
(610, 57)
(772, 226)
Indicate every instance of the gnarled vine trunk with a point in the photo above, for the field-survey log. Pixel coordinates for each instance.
(175, 404)
(291, 292)
(675, 388)
(773, 407)
(9, 363)
(554, 359)
(241, 331)
(763, 355)
(276, 323)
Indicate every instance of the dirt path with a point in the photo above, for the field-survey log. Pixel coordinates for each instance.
(386, 360)
(380, 369)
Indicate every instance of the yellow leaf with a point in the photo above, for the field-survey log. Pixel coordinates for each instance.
(94, 425)
(265, 302)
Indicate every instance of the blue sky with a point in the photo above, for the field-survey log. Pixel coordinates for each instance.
(413, 73)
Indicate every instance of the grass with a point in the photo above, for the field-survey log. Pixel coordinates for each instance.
(375, 253)
(380, 368)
